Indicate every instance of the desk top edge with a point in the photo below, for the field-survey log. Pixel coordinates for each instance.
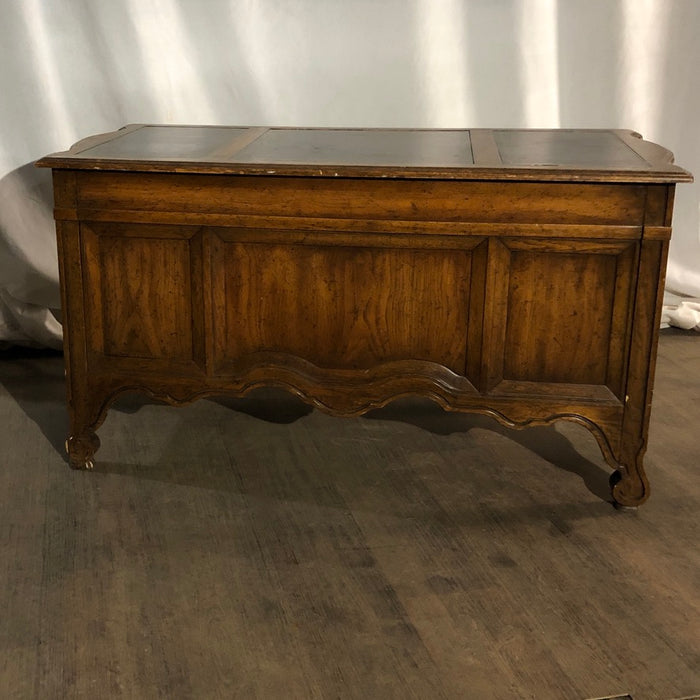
(578, 155)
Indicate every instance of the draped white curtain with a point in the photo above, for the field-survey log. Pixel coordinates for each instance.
(71, 68)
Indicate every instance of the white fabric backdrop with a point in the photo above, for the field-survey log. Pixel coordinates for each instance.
(71, 68)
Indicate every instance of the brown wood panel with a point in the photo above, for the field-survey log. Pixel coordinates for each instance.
(655, 214)
(517, 202)
(370, 225)
(347, 239)
(621, 319)
(495, 310)
(620, 310)
(74, 334)
(477, 308)
(552, 333)
(593, 393)
(644, 333)
(342, 307)
(65, 190)
(142, 286)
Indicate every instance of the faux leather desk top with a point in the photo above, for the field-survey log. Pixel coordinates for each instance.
(474, 154)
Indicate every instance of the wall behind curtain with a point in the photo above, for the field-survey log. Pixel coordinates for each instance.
(70, 68)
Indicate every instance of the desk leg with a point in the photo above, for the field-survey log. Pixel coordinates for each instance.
(83, 410)
(85, 415)
(630, 486)
(81, 449)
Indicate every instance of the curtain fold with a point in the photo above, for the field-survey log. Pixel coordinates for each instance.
(69, 69)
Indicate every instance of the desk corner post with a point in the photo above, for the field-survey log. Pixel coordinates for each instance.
(630, 486)
(84, 410)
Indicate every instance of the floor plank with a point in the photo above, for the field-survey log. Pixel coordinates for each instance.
(258, 549)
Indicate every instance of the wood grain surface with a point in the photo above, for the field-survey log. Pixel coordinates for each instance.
(352, 308)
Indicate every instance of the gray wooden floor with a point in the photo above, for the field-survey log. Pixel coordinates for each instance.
(258, 549)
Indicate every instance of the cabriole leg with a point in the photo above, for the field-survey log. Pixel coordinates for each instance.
(81, 449)
(629, 484)
(82, 442)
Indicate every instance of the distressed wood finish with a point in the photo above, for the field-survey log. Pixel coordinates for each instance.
(511, 273)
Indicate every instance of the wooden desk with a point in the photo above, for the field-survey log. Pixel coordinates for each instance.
(513, 273)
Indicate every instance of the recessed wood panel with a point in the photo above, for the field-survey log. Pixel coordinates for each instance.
(145, 290)
(342, 306)
(559, 316)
